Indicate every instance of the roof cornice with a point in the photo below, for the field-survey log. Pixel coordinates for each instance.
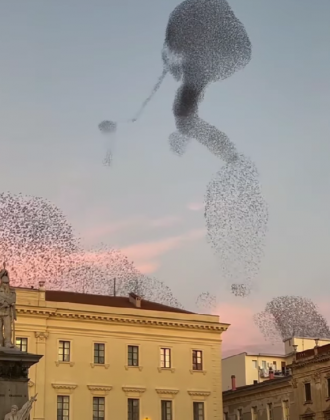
(111, 319)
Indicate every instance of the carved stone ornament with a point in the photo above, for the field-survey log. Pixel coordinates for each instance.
(105, 366)
(133, 391)
(199, 395)
(23, 413)
(166, 393)
(101, 390)
(160, 370)
(41, 335)
(317, 377)
(14, 371)
(64, 388)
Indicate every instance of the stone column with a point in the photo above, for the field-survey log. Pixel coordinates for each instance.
(40, 375)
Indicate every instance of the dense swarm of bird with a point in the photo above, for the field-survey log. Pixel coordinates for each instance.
(38, 244)
(288, 316)
(204, 43)
(206, 302)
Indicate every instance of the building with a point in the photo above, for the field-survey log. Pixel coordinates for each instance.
(251, 367)
(116, 357)
(311, 382)
(268, 400)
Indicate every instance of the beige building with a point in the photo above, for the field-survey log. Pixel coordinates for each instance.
(249, 368)
(311, 382)
(269, 400)
(116, 357)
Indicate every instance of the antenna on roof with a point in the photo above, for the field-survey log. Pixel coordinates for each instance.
(114, 286)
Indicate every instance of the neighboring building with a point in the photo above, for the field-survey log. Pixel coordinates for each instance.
(249, 368)
(119, 358)
(269, 400)
(311, 382)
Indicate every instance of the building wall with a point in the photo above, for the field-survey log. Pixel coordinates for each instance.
(277, 392)
(302, 343)
(316, 374)
(233, 365)
(45, 323)
(253, 374)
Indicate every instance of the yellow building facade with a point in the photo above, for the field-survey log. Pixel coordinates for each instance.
(249, 368)
(115, 357)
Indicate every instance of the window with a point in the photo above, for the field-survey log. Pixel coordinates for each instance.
(63, 403)
(98, 408)
(165, 358)
(264, 364)
(275, 365)
(254, 413)
(269, 411)
(197, 360)
(225, 416)
(133, 356)
(64, 351)
(328, 383)
(308, 392)
(99, 353)
(239, 415)
(255, 364)
(166, 410)
(198, 411)
(286, 410)
(22, 343)
(133, 409)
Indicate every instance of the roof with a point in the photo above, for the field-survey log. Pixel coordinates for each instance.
(255, 355)
(264, 384)
(109, 301)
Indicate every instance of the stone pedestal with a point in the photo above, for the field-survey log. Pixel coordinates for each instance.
(14, 367)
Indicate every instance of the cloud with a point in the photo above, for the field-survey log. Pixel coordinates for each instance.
(165, 221)
(198, 206)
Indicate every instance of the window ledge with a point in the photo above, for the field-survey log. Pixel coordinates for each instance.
(198, 371)
(160, 370)
(308, 402)
(134, 367)
(105, 366)
(58, 362)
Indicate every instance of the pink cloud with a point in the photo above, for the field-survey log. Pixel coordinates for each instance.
(148, 250)
(147, 268)
(165, 221)
(195, 206)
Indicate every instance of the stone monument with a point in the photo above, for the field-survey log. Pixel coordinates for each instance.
(14, 364)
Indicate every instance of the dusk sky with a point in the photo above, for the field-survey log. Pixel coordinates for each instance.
(66, 66)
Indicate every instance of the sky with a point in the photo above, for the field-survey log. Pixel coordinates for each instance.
(66, 66)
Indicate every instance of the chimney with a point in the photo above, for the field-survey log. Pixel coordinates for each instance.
(233, 382)
(316, 346)
(271, 374)
(255, 382)
(135, 300)
(42, 293)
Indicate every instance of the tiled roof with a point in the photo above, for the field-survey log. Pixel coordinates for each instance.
(110, 301)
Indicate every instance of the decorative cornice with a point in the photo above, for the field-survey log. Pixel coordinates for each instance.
(199, 393)
(99, 389)
(41, 335)
(133, 391)
(106, 366)
(160, 370)
(121, 320)
(31, 384)
(67, 388)
(313, 359)
(167, 392)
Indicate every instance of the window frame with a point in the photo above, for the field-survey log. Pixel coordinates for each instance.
(163, 407)
(195, 365)
(96, 353)
(307, 385)
(129, 361)
(62, 359)
(286, 409)
(62, 416)
(328, 387)
(163, 361)
(135, 415)
(270, 413)
(196, 413)
(255, 364)
(20, 344)
(239, 414)
(254, 413)
(97, 398)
